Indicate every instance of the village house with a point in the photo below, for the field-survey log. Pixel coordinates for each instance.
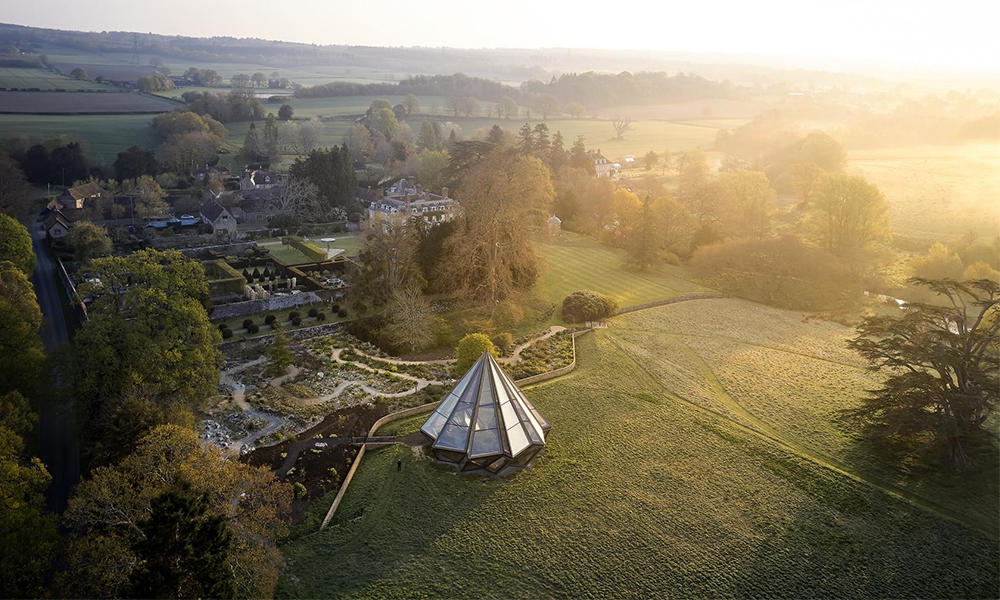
(219, 217)
(602, 166)
(404, 202)
(77, 197)
(258, 179)
(57, 225)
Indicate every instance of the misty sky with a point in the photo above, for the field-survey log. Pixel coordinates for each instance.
(959, 34)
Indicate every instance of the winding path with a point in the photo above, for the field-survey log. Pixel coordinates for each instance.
(239, 397)
(515, 356)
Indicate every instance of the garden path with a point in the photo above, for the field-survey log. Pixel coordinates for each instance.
(515, 356)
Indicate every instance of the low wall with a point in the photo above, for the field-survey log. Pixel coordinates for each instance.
(409, 412)
(250, 307)
(236, 346)
(556, 372)
(635, 307)
(67, 282)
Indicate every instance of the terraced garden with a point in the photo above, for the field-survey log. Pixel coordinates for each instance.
(684, 474)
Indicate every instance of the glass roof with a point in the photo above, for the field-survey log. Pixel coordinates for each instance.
(486, 415)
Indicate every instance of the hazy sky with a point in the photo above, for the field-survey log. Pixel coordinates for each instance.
(958, 34)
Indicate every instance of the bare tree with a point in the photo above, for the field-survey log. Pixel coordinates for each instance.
(622, 125)
(300, 197)
(288, 137)
(309, 135)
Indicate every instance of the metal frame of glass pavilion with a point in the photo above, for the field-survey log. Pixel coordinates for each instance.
(486, 424)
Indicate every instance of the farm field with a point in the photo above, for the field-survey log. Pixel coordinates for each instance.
(81, 103)
(106, 135)
(646, 490)
(11, 78)
(937, 192)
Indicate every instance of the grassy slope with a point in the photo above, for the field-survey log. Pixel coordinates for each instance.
(45, 80)
(107, 135)
(639, 494)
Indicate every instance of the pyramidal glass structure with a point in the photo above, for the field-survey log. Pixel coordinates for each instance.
(485, 423)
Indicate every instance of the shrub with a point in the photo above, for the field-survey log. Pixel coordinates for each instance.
(310, 250)
(283, 221)
(253, 328)
(503, 341)
(469, 349)
(671, 259)
(363, 308)
(223, 326)
(270, 319)
(297, 321)
(313, 312)
(300, 490)
(247, 323)
(227, 333)
(321, 316)
(335, 308)
(342, 313)
(293, 315)
(586, 305)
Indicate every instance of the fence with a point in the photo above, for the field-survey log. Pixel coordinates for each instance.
(79, 307)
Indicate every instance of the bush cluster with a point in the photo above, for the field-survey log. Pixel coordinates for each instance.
(253, 328)
(586, 305)
(269, 320)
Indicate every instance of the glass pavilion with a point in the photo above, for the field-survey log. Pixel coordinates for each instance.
(485, 423)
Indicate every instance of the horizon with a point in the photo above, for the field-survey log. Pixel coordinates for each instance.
(858, 38)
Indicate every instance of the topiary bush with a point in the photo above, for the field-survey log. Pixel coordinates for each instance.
(342, 313)
(253, 328)
(227, 333)
(321, 316)
(313, 312)
(503, 341)
(270, 319)
(293, 315)
(335, 308)
(586, 305)
(469, 349)
(223, 326)
(300, 490)
(297, 321)
(247, 323)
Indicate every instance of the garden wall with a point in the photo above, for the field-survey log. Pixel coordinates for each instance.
(635, 307)
(250, 307)
(248, 343)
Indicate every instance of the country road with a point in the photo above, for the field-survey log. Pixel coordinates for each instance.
(58, 446)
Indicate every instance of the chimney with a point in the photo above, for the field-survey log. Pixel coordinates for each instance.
(444, 192)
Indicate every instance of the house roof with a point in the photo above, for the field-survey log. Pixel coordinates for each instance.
(212, 210)
(485, 423)
(54, 217)
(87, 190)
(554, 219)
(366, 194)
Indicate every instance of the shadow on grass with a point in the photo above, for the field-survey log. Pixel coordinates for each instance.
(388, 518)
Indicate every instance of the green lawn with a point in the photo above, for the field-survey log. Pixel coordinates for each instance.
(106, 135)
(646, 490)
(45, 80)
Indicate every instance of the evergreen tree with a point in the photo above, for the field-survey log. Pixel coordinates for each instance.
(578, 157)
(271, 136)
(557, 153)
(495, 136)
(184, 550)
(251, 144)
(541, 146)
(279, 356)
(643, 241)
(427, 139)
(525, 140)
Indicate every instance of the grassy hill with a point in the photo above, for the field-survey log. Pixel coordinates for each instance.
(673, 469)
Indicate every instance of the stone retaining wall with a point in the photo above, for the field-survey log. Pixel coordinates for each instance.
(236, 346)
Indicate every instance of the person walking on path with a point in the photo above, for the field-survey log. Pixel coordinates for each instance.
(399, 465)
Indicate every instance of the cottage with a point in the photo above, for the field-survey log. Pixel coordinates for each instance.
(57, 225)
(78, 197)
(219, 217)
(258, 179)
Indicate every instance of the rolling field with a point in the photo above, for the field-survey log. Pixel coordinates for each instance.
(106, 135)
(81, 103)
(937, 192)
(41, 79)
(648, 489)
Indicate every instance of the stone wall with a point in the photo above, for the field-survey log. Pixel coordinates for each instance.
(635, 307)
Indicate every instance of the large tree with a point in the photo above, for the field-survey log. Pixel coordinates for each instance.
(848, 215)
(134, 163)
(505, 198)
(108, 517)
(89, 241)
(332, 171)
(746, 203)
(694, 188)
(409, 320)
(147, 331)
(15, 245)
(20, 320)
(941, 362)
(643, 243)
(387, 262)
(15, 191)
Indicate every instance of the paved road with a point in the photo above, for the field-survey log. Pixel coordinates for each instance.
(57, 439)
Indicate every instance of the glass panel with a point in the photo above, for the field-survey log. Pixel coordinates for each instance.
(454, 437)
(502, 395)
(486, 417)
(462, 415)
(509, 416)
(486, 441)
(518, 441)
(433, 425)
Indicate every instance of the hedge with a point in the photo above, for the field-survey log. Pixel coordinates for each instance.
(311, 250)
